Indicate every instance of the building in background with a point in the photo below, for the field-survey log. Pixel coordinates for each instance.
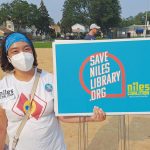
(79, 28)
(6, 28)
(133, 31)
(10, 25)
(4, 32)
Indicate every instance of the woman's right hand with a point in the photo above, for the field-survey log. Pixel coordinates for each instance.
(3, 128)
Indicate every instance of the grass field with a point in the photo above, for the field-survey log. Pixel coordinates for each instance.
(42, 44)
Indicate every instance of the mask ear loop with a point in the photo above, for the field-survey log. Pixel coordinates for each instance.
(9, 60)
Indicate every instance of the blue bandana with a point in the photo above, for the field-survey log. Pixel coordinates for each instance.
(15, 37)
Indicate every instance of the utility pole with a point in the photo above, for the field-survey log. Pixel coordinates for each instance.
(145, 24)
(146, 18)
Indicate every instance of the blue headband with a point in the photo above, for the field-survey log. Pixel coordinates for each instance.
(15, 37)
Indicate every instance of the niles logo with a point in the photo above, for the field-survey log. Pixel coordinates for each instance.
(104, 69)
(6, 93)
(137, 89)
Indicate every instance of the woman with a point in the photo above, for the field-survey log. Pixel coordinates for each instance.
(42, 130)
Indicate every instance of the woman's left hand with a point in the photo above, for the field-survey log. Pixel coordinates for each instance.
(99, 114)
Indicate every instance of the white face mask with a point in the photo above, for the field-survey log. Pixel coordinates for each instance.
(22, 61)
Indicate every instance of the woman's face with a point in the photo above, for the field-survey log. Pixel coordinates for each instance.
(20, 55)
(18, 47)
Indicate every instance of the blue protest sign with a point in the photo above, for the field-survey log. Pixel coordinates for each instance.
(111, 74)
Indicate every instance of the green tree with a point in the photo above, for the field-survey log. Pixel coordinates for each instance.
(105, 13)
(20, 13)
(125, 22)
(33, 16)
(4, 12)
(23, 14)
(139, 19)
(44, 21)
(74, 11)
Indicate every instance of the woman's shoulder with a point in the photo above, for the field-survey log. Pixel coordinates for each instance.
(7, 76)
(47, 75)
(6, 79)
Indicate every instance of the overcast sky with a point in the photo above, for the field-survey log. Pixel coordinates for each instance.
(129, 7)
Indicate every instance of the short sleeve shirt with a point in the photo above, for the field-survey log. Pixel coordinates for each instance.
(42, 131)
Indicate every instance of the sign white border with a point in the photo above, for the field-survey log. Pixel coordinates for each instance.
(57, 42)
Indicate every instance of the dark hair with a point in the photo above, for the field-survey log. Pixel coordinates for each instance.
(5, 64)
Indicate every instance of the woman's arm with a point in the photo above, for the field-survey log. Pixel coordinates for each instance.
(98, 116)
(3, 128)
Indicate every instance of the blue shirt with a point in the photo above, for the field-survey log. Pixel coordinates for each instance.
(90, 37)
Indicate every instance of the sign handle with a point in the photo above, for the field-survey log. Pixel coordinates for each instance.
(123, 132)
(82, 134)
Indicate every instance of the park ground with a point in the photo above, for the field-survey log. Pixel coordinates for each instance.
(104, 135)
